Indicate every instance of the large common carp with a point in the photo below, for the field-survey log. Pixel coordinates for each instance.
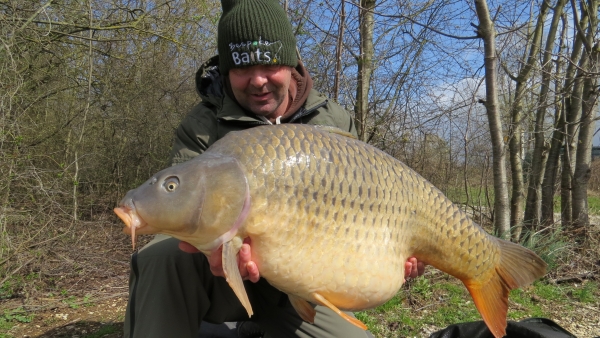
(331, 220)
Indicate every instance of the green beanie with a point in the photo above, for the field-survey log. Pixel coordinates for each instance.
(255, 32)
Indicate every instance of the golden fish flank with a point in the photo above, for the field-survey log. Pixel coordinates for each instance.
(332, 221)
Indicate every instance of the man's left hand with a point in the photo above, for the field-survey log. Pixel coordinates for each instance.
(413, 268)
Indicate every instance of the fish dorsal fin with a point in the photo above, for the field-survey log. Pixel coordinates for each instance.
(232, 272)
(335, 130)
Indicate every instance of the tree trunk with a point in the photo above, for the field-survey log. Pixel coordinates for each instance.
(551, 172)
(589, 94)
(516, 143)
(501, 206)
(573, 91)
(534, 191)
(515, 146)
(338, 53)
(365, 67)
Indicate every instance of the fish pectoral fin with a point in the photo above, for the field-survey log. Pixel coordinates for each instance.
(322, 301)
(304, 309)
(232, 274)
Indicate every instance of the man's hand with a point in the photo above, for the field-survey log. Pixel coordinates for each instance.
(248, 269)
(413, 269)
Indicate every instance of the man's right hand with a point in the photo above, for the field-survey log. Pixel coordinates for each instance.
(248, 269)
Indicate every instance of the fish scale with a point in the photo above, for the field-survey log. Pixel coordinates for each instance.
(331, 220)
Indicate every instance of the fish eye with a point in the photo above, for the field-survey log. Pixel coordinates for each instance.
(171, 183)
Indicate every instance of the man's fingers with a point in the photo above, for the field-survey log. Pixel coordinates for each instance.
(411, 269)
(215, 261)
(245, 254)
(253, 274)
(248, 268)
(243, 259)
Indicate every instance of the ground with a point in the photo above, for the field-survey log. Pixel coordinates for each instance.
(80, 291)
(103, 317)
(73, 286)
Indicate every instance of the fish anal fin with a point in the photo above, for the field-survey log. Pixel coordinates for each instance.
(518, 266)
(304, 309)
(322, 301)
(232, 272)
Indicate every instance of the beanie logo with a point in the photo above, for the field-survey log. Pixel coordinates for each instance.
(255, 52)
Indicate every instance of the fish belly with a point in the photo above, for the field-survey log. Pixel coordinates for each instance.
(351, 274)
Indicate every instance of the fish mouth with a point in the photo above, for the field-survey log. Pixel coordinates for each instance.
(133, 222)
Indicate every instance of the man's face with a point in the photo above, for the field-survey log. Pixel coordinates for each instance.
(262, 89)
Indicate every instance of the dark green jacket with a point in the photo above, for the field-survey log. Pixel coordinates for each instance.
(218, 114)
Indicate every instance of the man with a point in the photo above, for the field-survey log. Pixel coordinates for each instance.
(256, 80)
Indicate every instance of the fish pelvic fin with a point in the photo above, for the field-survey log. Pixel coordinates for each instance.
(232, 272)
(518, 266)
(323, 301)
(304, 309)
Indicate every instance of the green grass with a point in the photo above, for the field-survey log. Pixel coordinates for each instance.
(588, 293)
(477, 195)
(442, 302)
(593, 204)
(10, 318)
(5, 325)
(439, 304)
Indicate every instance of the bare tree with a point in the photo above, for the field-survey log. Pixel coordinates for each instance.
(540, 150)
(486, 31)
(588, 77)
(365, 67)
(558, 134)
(338, 51)
(573, 91)
(530, 51)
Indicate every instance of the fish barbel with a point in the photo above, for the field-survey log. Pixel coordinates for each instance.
(332, 221)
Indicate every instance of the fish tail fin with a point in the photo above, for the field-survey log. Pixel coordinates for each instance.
(518, 266)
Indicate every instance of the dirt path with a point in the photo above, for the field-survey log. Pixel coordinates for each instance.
(101, 318)
(73, 286)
